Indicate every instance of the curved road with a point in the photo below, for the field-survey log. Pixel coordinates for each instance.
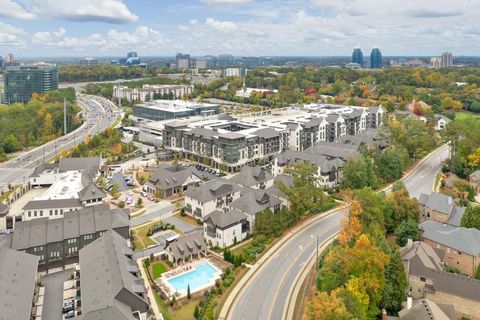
(99, 114)
(266, 293)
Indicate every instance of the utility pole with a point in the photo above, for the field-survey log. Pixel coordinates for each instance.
(316, 247)
(64, 115)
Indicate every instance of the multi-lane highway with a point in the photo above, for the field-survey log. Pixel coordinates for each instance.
(265, 295)
(99, 113)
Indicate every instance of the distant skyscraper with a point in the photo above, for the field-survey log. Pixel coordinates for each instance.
(10, 58)
(183, 61)
(88, 62)
(357, 56)
(376, 59)
(132, 54)
(436, 62)
(20, 82)
(250, 62)
(225, 60)
(446, 60)
(201, 63)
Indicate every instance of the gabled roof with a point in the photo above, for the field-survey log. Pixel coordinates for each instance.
(426, 309)
(186, 245)
(253, 201)
(106, 271)
(224, 220)
(267, 133)
(475, 174)
(459, 238)
(438, 202)
(251, 176)
(52, 204)
(212, 189)
(375, 109)
(226, 116)
(78, 164)
(18, 273)
(173, 176)
(91, 191)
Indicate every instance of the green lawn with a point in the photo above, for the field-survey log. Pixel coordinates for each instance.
(157, 269)
(463, 116)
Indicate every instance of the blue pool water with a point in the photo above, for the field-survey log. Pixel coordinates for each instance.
(198, 277)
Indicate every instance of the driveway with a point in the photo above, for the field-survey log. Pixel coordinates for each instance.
(118, 178)
(53, 301)
(180, 224)
(158, 211)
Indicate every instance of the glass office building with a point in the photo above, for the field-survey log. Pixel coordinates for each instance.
(376, 59)
(357, 57)
(20, 82)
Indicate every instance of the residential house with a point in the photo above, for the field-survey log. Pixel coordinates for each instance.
(253, 201)
(57, 241)
(441, 122)
(429, 279)
(172, 180)
(376, 116)
(253, 177)
(110, 281)
(426, 309)
(186, 248)
(440, 207)
(475, 180)
(212, 195)
(18, 278)
(277, 192)
(224, 229)
(461, 245)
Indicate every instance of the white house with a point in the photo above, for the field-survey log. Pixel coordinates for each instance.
(224, 229)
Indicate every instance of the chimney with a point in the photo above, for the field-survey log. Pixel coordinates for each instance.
(409, 243)
(409, 301)
(384, 314)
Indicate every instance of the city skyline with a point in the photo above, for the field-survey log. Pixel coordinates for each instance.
(242, 27)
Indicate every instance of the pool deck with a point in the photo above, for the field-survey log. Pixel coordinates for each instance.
(189, 267)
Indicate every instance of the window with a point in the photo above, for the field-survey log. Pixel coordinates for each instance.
(41, 213)
(56, 212)
(73, 240)
(54, 254)
(233, 231)
(423, 279)
(51, 212)
(42, 257)
(29, 213)
(459, 253)
(88, 237)
(34, 213)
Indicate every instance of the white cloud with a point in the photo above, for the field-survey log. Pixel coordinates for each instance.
(11, 9)
(220, 25)
(11, 36)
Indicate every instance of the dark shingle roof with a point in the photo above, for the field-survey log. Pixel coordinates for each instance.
(91, 191)
(186, 245)
(251, 176)
(223, 220)
(212, 189)
(253, 201)
(426, 309)
(78, 164)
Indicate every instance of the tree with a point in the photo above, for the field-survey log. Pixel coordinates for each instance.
(390, 163)
(406, 230)
(327, 307)
(47, 125)
(189, 295)
(351, 225)
(394, 291)
(471, 217)
(139, 201)
(196, 312)
(115, 190)
(399, 207)
(477, 273)
(11, 144)
(359, 173)
(173, 302)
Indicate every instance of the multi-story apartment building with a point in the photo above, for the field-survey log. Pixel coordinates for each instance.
(152, 92)
(57, 241)
(183, 61)
(158, 110)
(235, 142)
(20, 82)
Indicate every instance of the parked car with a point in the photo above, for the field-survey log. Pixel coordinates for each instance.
(68, 308)
(68, 303)
(143, 194)
(70, 314)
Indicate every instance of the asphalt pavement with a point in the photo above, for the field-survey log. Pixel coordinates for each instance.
(161, 211)
(266, 293)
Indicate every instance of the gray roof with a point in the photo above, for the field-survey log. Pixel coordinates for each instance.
(438, 202)
(475, 174)
(231, 135)
(426, 309)
(286, 179)
(107, 269)
(173, 176)
(459, 238)
(201, 133)
(251, 176)
(326, 164)
(334, 150)
(439, 117)
(42, 167)
(253, 201)
(224, 220)
(18, 273)
(89, 220)
(267, 133)
(91, 191)
(375, 109)
(226, 116)
(3, 209)
(52, 204)
(426, 263)
(333, 117)
(211, 190)
(78, 164)
(456, 216)
(186, 245)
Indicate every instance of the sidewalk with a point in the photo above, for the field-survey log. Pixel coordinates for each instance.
(151, 297)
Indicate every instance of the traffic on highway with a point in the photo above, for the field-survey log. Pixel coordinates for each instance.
(98, 114)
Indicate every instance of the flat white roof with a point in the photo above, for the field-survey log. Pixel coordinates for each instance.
(66, 186)
(174, 105)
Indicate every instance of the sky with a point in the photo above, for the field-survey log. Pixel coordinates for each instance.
(34, 28)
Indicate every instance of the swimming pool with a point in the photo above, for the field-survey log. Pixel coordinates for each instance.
(201, 276)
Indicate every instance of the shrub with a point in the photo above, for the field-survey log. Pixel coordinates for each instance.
(147, 262)
(121, 204)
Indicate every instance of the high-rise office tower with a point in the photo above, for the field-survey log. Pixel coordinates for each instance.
(225, 60)
(20, 82)
(132, 54)
(446, 60)
(376, 59)
(183, 61)
(357, 56)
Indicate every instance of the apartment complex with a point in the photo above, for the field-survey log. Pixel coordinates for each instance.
(56, 242)
(20, 82)
(152, 92)
(235, 142)
(110, 281)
